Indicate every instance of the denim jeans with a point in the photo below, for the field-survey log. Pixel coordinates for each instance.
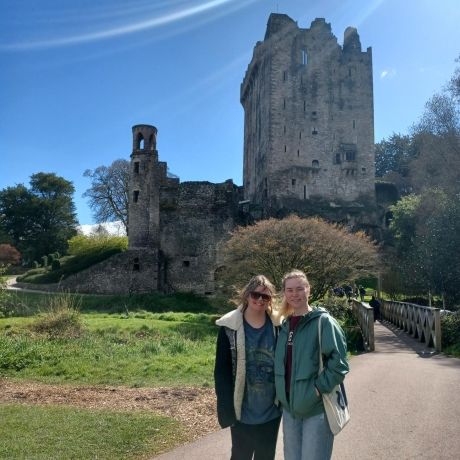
(307, 438)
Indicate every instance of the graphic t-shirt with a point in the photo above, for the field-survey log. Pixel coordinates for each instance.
(259, 392)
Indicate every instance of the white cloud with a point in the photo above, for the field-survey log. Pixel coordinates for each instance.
(388, 73)
(113, 228)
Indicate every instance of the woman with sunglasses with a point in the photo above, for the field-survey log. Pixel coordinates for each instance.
(299, 384)
(244, 373)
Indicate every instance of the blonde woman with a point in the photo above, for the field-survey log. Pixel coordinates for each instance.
(244, 373)
(299, 385)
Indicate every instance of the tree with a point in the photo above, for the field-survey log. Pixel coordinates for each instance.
(394, 155)
(9, 255)
(41, 219)
(327, 253)
(426, 230)
(108, 194)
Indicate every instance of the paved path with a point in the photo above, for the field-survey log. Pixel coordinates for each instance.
(404, 402)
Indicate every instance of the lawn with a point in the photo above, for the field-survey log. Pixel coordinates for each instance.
(139, 349)
(59, 432)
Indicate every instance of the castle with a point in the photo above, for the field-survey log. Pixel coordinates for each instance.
(308, 149)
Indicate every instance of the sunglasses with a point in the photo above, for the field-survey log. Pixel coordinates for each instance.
(260, 296)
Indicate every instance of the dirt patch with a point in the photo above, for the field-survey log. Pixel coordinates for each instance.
(194, 407)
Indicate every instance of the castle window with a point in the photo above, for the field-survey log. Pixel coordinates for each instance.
(304, 106)
(186, 263)
(304, 192)
(284, 76)
(265, 193)
(354, 124)
(304, 57)
(284, 103)
(350, 155)
(136, 196)
(266, 182)
(136, 167)
(285, 148)
(136, 265)
(140, 142)
(298, 153)
(314, 114)
(338, 158)
(315, 164)
(284, 129)
(314, 132)
(300, 135)
(293, 182)
(363, 170)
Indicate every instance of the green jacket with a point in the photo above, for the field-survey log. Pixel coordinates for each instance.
(303, 400)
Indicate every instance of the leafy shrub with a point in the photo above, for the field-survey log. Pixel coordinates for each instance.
(50, 258)
(44, 260)
(9, 255)
(55, 265)
(62, 320)
(35, 264)
(450, 329)
(82, 245)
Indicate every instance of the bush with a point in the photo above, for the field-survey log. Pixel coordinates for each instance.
(9, 255)
(450, 329)
(36, 264)
(82, 245)
(62, 320)
(44, 260)
(55, 265)
(50, 258)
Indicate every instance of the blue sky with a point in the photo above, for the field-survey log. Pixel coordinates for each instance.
(76, 75)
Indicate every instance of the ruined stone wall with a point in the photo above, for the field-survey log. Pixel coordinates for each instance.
(319, 116)
(196, 218)
(129, 271)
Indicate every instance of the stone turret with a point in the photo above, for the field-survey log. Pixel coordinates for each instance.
(144, 185)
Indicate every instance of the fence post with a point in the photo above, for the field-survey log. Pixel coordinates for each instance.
(437, 330)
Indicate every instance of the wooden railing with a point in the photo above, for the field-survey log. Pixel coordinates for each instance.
(365, 316)
(422, 323)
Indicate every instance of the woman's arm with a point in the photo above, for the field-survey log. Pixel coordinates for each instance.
(223, 379)
(334, 350)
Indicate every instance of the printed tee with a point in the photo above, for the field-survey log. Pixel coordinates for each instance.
(259, 392)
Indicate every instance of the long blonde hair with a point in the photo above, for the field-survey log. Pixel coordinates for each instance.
(286, 309)
(255, 282)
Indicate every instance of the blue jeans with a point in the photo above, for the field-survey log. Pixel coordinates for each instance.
(307, 438)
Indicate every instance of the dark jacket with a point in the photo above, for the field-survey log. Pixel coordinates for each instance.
(230, 367)
(303, 400)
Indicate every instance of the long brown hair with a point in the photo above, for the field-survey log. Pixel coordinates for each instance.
(254, 283)
(286, 309)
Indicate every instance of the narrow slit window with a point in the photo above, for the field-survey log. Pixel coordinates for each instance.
(186, 263)
(136, 196)
(304, 192)
(304, 57)
(136, 265)
(293, 182)
(136, 167)
(354, 124)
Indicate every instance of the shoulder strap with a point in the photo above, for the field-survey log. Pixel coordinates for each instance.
(319, 345)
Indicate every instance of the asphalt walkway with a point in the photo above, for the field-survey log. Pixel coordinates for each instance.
(404, 402)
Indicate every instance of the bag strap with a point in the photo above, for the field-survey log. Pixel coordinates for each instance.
(320, 351)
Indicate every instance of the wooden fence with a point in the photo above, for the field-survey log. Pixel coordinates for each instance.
(422, 323)
(365, 316)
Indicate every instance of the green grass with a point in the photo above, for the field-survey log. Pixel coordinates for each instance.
(29, 303)
(51, 432)
(143, 349)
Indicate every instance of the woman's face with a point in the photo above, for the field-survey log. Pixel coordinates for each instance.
(259, 299)
(296, 293)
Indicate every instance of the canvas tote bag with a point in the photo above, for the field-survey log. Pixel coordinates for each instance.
(335, 402)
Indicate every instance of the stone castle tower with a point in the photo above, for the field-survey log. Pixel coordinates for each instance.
(308, 117)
